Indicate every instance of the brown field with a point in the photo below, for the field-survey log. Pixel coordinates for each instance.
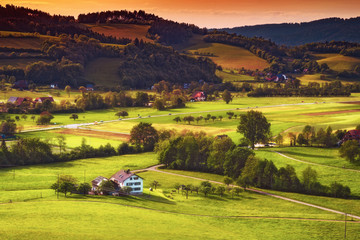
(331, 113)
(98, 134)
(131, 31)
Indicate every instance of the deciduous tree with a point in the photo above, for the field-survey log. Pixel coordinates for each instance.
(254, 126)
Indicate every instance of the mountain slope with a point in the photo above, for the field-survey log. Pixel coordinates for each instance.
(293, 34)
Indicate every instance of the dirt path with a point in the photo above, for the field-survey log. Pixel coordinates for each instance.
(316, 164)
(155, 168)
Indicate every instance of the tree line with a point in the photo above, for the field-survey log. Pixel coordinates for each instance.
(294, 88)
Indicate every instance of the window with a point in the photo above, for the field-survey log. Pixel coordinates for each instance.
(130, 178)
(137, 183)
(136, 178)
(136, 189)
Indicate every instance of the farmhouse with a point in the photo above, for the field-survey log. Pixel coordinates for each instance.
(351, 135)
(128, 179)
(198, 96)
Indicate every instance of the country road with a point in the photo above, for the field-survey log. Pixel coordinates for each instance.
(155, 168)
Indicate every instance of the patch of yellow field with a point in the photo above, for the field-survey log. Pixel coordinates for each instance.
(229, 56)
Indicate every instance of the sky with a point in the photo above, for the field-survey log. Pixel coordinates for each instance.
(208, 13)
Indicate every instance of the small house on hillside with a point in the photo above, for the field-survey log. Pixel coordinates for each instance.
(198, 96)
(128, 179)
(95, 184)
(351, 135)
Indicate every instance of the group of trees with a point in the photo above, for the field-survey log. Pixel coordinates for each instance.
(207, 188)
(294, 88)
(310, 136)
(69, 184)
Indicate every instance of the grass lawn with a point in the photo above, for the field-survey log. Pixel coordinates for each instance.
(229, 56)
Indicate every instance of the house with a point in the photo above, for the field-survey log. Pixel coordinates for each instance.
(95, 184)
(128, 179)
(351, 135)
(42, 99)
(221, 136)
(198, 96)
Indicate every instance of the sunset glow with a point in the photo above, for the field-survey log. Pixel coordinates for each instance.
(208, 13)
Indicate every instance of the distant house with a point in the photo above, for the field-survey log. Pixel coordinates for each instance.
(128, 179)
(42, 99)
(198, 96)
(21, 84)
(351, 135)
(95, 184)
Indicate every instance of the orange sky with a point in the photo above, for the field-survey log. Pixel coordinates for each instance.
(208, 13)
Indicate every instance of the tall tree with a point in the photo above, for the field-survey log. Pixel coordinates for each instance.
(145, 135)
(254, 126)
(226, 96)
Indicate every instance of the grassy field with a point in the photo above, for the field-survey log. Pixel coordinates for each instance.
(229, 57)
(131, 31)
(74, 220)
(338, 62)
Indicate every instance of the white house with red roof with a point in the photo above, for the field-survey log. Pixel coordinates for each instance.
(128, 179)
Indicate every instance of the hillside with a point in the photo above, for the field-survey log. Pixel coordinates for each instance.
(338, 62)
(292, 34)
(227, 56)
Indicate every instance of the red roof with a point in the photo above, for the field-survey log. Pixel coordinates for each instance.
(121, 176)
(352, 135)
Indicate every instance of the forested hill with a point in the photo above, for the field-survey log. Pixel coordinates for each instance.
(294, 34)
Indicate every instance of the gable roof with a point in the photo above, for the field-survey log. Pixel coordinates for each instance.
(12, 99)
(122, 175)
(98, 180)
